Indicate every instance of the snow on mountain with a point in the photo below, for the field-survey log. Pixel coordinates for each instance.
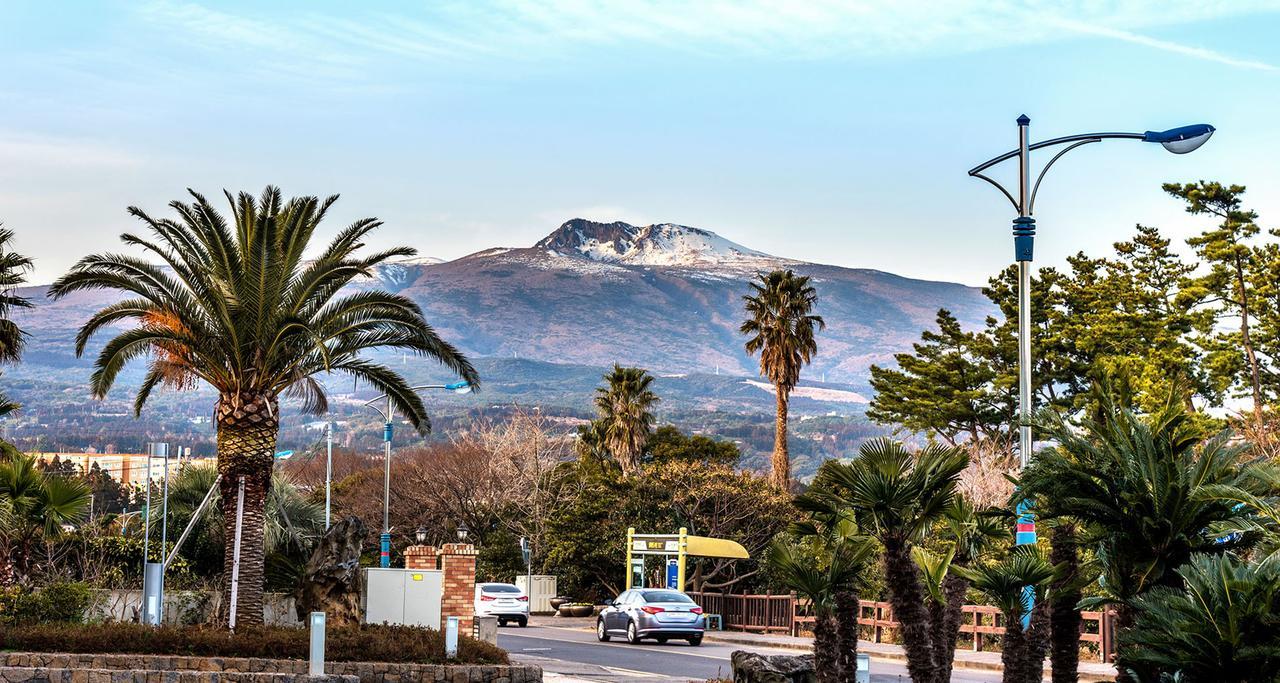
(663, 244)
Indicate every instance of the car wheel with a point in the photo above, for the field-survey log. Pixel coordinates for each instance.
(633, 636)
(523, 621)
(502, 622)
(695, 640)
(662, 640)
(602, 634)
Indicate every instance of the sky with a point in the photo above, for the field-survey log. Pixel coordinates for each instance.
(835, 132)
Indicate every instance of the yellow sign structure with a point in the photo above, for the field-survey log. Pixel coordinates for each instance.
(680, 545)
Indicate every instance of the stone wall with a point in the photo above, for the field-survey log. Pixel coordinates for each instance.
(185, 607)
(37, 667)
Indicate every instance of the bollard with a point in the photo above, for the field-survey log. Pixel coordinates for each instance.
(863, 674)
(451, 638)
(316, 667)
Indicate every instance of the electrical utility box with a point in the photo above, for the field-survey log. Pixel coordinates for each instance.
(409, 597)
(544, 588)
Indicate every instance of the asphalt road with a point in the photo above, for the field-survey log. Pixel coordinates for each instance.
(576, 653)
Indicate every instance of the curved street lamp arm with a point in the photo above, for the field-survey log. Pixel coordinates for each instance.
(1031, 206)
(1056, 141)
(998, 186)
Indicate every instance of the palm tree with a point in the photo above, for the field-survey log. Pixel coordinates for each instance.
(781, 328)
(1005, 583)
(236, 306)
(821, 584)
(831, 525)
(898, 495)
(1149, 491)
(34, 505)
(1221, 625)
(13, 273)
(626, 419)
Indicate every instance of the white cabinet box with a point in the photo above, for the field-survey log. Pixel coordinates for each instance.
(544, 588)
(403, 596)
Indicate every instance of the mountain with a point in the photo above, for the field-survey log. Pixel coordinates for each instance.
(543, 323)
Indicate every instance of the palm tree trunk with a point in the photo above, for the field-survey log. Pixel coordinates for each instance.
(247, 432)
(907, 596)
(1064, 650)
(1124, 621)
(781, 458)
(846, 619)
(1037, 644)
(825, 644)
(948, 632)
(1012, 652)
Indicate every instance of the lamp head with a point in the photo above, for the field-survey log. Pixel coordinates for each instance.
(459, 387)
(1181, 140)
(421, 535)
(462, 532)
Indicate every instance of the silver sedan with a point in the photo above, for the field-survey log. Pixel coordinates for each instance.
(655, 613)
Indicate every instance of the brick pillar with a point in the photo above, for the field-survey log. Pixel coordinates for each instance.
(420, 557)
(458, 564)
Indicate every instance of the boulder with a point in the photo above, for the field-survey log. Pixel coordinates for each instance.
(750, 667)
(331, 579)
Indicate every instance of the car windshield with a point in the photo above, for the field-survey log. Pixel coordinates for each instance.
(665, 596)
(499, 588)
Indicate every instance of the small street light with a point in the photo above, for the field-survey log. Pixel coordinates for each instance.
(463, 531)
(388, 428)
(421, 535)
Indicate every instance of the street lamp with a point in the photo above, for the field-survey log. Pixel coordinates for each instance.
(1177, 140)
(388, 429)
(421, 535)
(462, 532)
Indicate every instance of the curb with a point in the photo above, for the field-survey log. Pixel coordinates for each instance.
(898, 657)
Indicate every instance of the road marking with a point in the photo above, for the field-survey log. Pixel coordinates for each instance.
(534, 649)
(673, 651)
(638, 674)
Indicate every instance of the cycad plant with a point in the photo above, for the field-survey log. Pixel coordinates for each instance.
(253, 305)
(821, 582)
(34, 506)
(1004, 583)
(1221, 626)
(625, 404)
(781, 327)
(897, 496)
(1150, 492)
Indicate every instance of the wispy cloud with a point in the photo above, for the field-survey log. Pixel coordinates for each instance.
(1167, 46)
(25, 151)
(529, 30)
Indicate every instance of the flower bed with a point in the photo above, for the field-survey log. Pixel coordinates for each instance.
(367, 643)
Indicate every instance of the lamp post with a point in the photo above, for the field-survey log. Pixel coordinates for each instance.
(463, 532)
(387, 430)
(1177, 140)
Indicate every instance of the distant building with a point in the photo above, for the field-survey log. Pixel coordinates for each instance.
(129, 469)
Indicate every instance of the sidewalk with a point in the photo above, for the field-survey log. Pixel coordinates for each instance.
(965, 659)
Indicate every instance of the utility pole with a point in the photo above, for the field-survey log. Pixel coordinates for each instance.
(328, 471)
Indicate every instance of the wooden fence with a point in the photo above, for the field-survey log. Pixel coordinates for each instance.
(787, 614)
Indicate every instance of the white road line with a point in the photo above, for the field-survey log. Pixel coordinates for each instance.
(673, 651)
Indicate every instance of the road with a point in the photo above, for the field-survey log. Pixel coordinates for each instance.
(576, 653)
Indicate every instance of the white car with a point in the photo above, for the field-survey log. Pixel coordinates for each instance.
(504, 601)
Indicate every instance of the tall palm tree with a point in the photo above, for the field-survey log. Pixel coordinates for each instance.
(781, 328)
(625, 405)
(13, 273)
(34, 505)
(236, 306)
(898, 495)
(1150, 492)
(842, 567)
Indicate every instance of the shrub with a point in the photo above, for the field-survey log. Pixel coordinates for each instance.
(365, 643)
(58, 602)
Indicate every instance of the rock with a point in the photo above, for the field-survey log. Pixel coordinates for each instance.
(749, 667)
(331, 580)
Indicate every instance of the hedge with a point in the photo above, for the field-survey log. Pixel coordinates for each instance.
(366, 643)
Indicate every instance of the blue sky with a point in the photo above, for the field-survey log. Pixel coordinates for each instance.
(827, 131)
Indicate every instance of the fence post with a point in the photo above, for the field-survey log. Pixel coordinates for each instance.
(1104, 630)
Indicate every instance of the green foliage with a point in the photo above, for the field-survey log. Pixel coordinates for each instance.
(1148, 487)
(1222, 624)
(1003, 581)
(499, 557)
(365, 643)
(781, 326)
(669, 444)
(34, 506)
(57, 602)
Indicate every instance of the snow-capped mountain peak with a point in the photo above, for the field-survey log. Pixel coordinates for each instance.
(662, 244)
